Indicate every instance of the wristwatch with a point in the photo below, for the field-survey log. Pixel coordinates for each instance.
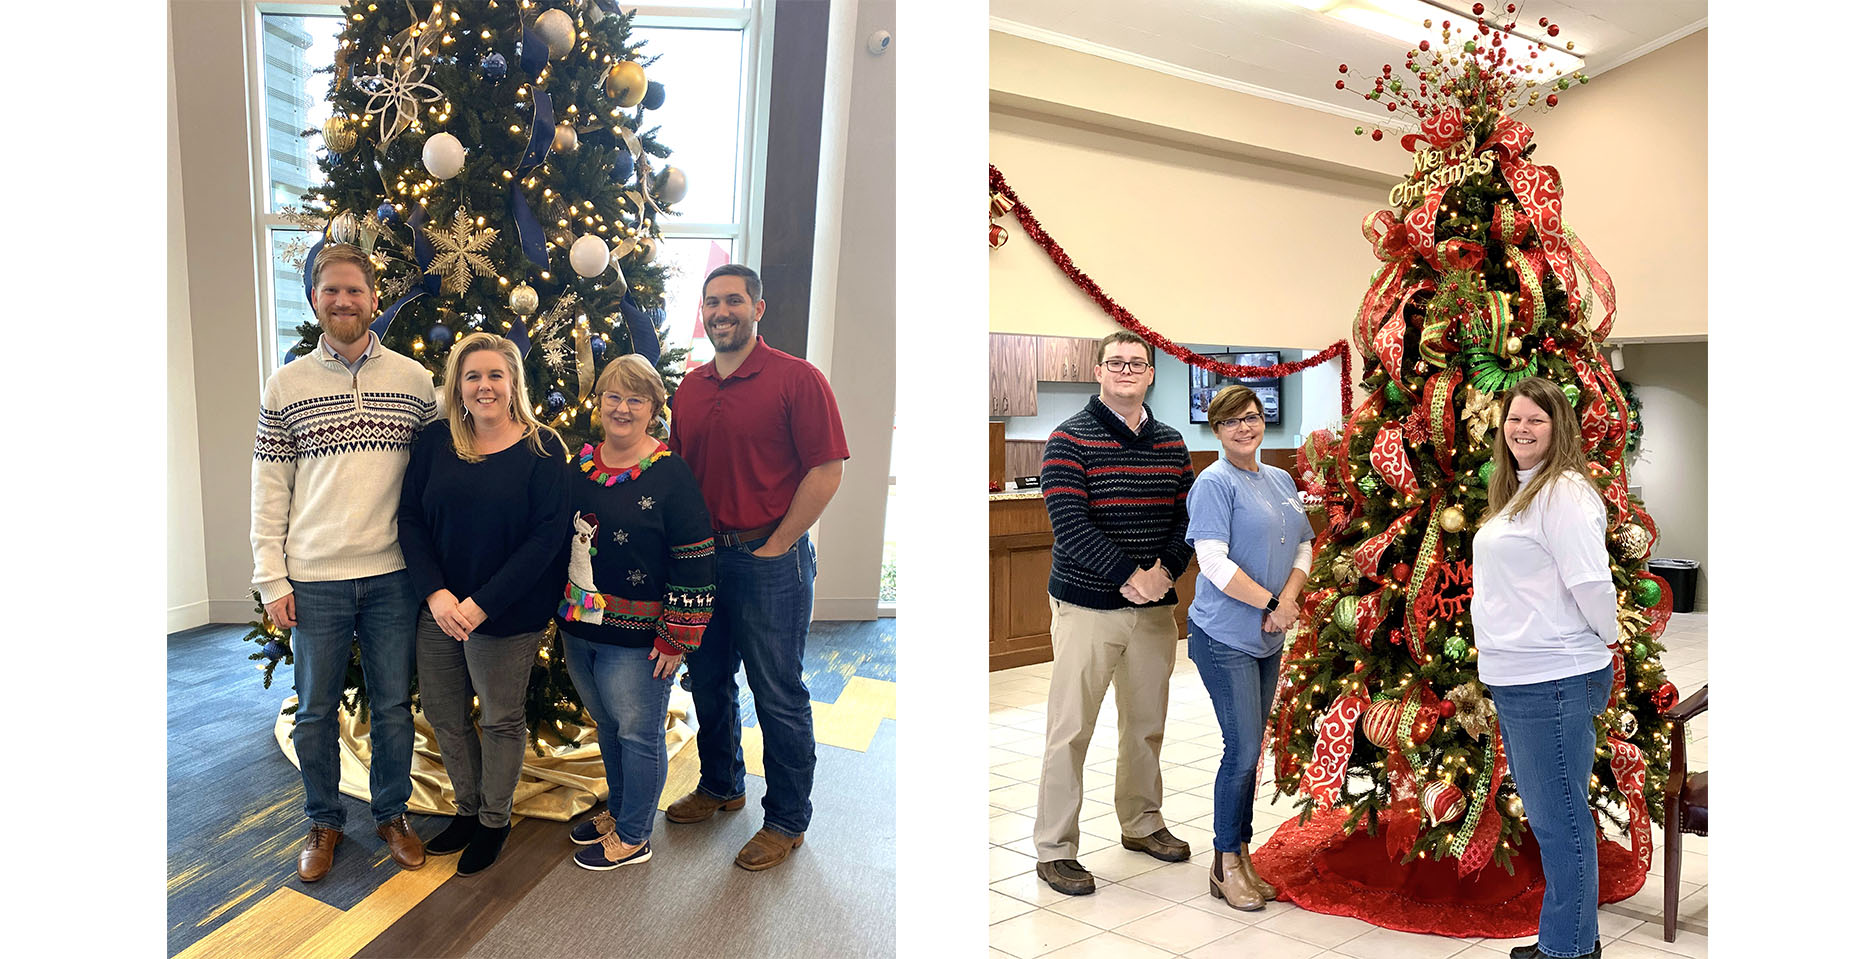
(1270, 606)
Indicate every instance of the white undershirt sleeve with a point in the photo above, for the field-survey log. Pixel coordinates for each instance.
(1214, 561)
(1596, 600)
(1304, 553)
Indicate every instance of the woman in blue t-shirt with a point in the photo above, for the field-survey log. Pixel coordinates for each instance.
(1252, 543)
(486, 505)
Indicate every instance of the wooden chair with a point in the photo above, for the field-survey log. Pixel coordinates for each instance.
(1685, 801)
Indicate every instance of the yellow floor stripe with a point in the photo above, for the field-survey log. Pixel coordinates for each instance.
(352, 929)
(267, 929)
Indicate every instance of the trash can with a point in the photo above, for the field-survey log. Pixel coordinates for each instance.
(1682, 576)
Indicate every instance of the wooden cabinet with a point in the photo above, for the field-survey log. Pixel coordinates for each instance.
(1012, 375)
(1065, 359)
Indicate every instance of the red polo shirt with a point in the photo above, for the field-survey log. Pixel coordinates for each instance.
(750, 438)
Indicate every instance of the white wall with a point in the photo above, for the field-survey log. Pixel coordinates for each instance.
(855, 341)
(1670, 381)
(188, 569)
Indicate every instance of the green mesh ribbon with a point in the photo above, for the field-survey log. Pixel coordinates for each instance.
(1480, 794)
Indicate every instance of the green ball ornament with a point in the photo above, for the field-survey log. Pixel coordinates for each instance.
(1345, 610)
(1394, 393)
(1486, 471)
(1647, 593)
(1456, 647)
(1641, 650)
(1573, 392)
(1369, 484)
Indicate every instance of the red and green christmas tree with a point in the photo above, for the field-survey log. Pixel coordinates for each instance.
(494, 160)
(1380, 713)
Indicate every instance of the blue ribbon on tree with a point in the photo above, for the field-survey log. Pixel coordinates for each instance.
(383, 322)
(644, 331)
(533, 52)
(539, 138)
(312, 256)
(420, 243)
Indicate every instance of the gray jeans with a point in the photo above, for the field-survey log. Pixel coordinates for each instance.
(484, 769)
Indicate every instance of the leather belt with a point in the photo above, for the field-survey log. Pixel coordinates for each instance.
(728, 538)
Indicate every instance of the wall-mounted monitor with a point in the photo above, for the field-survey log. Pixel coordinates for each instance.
(1205, 384)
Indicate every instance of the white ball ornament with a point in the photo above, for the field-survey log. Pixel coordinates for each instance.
(589, 256)
(555, 29)
(443, 156)
(671, 186)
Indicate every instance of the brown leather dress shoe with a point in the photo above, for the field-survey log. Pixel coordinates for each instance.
(700, 805)
(1161, 845)
(767, 849)
(315, 858)
(406, 848)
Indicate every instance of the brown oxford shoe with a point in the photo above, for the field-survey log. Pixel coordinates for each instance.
(700, 805)
(315, 858)
(767, 849)
(406, 848)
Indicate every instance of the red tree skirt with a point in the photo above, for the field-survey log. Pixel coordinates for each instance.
(1321, 870)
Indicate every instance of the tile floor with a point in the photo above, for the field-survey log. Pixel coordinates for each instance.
(1146, 908)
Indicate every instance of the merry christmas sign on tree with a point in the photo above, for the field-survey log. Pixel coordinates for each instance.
(1381, 727)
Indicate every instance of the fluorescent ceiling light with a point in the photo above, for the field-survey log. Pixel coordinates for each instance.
(1404, 20)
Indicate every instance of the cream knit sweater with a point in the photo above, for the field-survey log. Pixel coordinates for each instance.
(329, 459)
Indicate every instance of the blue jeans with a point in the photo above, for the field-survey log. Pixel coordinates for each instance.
(760, 621)
(1242, 687)
(382, 612)
(1549, 741)
(628, 705)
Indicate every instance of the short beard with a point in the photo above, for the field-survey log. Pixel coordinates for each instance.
(739, 338)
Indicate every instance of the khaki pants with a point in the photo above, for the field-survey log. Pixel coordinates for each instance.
(1132, 650)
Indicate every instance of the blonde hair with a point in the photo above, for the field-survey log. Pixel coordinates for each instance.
(1565, 449)
(461, 425)
(631, 375)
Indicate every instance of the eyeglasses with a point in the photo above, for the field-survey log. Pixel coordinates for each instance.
(1237, 422)
(1117, 365)
(633, 403)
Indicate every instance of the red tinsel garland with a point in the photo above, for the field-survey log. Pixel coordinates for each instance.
(1339, 350)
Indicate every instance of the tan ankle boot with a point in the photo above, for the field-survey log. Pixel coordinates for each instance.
(1258, 882)
(1229, 883)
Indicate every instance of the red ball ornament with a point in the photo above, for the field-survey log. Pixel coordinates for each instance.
(1341, 84)
(1554, 29)
(1441, 801)
(1382, 722)
(998, 236)
(1402, 572)
(1386, 69)
(1478, 8)
(1425, 45)
(1344, 68)
(1378, 136)
(1510, 8)
(1390, 108)
(1447, 708)
(1445, 25)
(1542, 21)
(1551, 99)
(1665, 698)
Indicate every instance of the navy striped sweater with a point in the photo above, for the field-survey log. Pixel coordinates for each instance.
(1116, 500)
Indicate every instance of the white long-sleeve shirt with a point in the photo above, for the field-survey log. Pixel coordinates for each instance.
(1543, 598)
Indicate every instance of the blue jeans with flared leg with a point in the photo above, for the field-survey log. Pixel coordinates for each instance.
(1242, 687)
(628, 706)
(1549, 741)
(382, 612)
(760, 620)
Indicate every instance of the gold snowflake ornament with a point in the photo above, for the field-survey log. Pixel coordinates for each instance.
(459, 252)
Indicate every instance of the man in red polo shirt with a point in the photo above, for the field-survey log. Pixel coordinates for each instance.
(762, 433)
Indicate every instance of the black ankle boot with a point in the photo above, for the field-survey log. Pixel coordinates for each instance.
(484, 846)
(1532, 952)
(453, 838)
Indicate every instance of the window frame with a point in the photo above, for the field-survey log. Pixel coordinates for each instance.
(755, 21)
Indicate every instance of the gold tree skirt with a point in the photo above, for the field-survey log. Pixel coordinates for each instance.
(559, 785)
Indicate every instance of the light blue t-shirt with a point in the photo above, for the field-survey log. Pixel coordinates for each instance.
(1260, 517)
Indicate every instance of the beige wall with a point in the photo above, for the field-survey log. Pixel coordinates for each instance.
(1217, 216)
(1631, 148)
(188, 569)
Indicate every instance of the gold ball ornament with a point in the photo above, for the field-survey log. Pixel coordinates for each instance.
(339, 136)
(1514, 344)
(555, 29)
(1451, 519)
(1631, 541)
(1513, 806)
(523, 300)
(626, 83)
(565, 138)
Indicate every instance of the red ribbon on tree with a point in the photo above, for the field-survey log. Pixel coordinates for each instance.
(1334, 739)
(1031, 226)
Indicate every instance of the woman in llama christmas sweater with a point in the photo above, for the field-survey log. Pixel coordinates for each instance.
(640, 587)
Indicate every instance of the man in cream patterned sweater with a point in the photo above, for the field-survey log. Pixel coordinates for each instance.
(334, 435)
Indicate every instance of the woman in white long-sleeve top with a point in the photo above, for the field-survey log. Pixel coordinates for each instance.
(1543, 610)
(1251, 538)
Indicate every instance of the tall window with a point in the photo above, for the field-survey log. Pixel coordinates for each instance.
(712, 118)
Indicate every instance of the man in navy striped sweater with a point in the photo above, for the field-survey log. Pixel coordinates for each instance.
(1115, 480)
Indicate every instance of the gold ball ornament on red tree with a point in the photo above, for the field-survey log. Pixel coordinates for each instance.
(1441, 801)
